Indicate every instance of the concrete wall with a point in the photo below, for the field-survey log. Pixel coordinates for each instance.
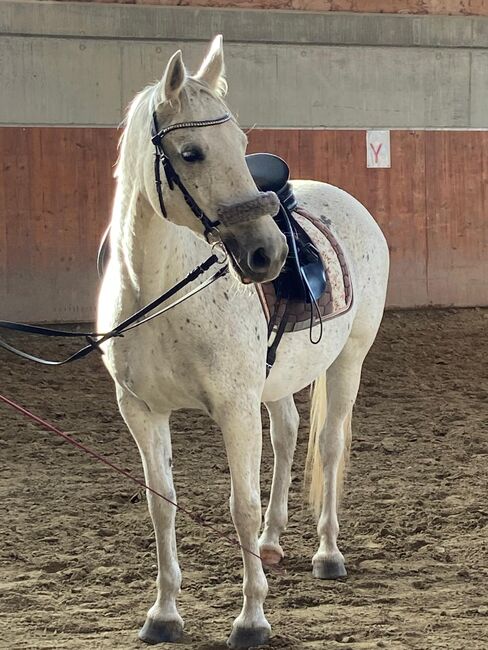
(310, 83)
(81, 64)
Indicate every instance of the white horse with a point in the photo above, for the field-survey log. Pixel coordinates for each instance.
(210, 352)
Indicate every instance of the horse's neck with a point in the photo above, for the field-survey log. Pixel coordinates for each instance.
(155, 252)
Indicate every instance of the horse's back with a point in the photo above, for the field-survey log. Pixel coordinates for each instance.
(342, 213)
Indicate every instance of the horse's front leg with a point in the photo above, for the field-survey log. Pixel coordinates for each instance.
(152, 435)
(242, 430)
(284, 422)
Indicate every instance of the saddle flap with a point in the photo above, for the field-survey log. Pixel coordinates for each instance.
(315, 278)
(287, 289)
(303, 277)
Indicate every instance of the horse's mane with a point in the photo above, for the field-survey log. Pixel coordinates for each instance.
(136, 122)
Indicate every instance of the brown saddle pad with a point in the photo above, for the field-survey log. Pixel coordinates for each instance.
(338, 296)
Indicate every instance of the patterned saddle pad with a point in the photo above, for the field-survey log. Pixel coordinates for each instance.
(338, 296)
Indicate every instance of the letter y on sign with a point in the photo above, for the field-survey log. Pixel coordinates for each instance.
(378, 149)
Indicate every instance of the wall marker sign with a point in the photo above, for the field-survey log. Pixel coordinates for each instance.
(378, 149)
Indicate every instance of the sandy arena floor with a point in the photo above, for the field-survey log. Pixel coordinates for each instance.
(77, 556)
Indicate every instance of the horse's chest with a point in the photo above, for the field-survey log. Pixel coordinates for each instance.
(178, 361)
(155, 367)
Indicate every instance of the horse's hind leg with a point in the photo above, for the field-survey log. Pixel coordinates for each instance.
(343, 379)
(284, 421)
(152, 435)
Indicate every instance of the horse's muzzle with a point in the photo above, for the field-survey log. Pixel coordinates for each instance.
(257, 259)
(255, 243)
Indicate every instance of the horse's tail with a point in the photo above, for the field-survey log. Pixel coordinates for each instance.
(314, 469)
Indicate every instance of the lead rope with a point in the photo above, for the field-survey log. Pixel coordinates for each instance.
(197, 518)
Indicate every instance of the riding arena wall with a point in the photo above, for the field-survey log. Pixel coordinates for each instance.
(307, 79)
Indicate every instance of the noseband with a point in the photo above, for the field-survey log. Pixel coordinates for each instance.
(264, 203)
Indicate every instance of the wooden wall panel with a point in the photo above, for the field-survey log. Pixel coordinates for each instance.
(422, 7)
(457, 217)
(56, 190)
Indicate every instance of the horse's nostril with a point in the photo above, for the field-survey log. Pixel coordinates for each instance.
(259, 260)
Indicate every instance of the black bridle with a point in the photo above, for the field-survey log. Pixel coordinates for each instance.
(162, 158)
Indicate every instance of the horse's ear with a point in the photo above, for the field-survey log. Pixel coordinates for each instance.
(212, 70)
(174, 77)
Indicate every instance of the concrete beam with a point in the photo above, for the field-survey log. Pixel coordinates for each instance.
(80, 64)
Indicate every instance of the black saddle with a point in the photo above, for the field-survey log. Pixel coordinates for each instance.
(303, 277)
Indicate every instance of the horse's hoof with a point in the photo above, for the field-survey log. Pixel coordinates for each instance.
(329, 569)
(248, 637)
(154, 631)
(271, 555)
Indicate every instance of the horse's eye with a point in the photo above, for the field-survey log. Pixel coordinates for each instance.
(192, 154)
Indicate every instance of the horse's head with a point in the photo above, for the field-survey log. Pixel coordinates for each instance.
(209, 161)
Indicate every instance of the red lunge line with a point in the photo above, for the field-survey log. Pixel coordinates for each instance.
(196, 518)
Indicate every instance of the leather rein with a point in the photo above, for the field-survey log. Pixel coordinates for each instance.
(95, 340)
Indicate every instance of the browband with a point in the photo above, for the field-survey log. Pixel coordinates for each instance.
(159, 135)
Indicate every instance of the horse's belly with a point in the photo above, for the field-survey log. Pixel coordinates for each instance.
(299, 361)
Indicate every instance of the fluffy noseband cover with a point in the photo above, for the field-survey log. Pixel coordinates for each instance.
(266, 203)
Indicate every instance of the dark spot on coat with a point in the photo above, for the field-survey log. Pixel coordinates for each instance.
(187, 320)
(226, 295)
(325, 220)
